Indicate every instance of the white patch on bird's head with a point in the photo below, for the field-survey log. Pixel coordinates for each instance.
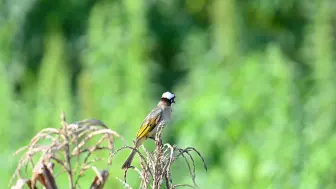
(168, 95)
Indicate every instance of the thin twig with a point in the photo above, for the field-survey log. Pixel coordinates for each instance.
(180, 185)
(67, 151)
(61, 163)
(198, 153)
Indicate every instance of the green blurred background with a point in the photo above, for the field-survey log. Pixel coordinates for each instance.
(254, 80)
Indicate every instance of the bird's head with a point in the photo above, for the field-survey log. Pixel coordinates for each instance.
(168, 96)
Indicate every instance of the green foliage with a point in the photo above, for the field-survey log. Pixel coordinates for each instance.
(254, 81)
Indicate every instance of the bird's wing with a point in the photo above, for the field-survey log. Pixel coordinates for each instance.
(150, 122)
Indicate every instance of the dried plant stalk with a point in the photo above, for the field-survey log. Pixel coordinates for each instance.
(156, 166)
(72, 141)
(65, 146)
(20, 183)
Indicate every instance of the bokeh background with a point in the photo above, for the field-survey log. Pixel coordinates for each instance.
(254, 79)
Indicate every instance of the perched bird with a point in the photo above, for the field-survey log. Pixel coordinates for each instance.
(161, 114)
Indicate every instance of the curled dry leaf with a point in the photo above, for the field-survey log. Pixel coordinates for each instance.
(100, 179)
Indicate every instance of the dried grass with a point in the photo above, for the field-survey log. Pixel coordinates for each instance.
(65, 147)
(71, 147)
(156, 166)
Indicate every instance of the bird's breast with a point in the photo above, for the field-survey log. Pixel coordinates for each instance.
(166, 114)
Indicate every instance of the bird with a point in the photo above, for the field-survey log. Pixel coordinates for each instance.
(160, 115)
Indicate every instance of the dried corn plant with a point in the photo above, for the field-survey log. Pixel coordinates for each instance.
(69, 147)
(156, 166)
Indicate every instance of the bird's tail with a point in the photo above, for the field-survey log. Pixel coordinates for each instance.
(129, 160)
